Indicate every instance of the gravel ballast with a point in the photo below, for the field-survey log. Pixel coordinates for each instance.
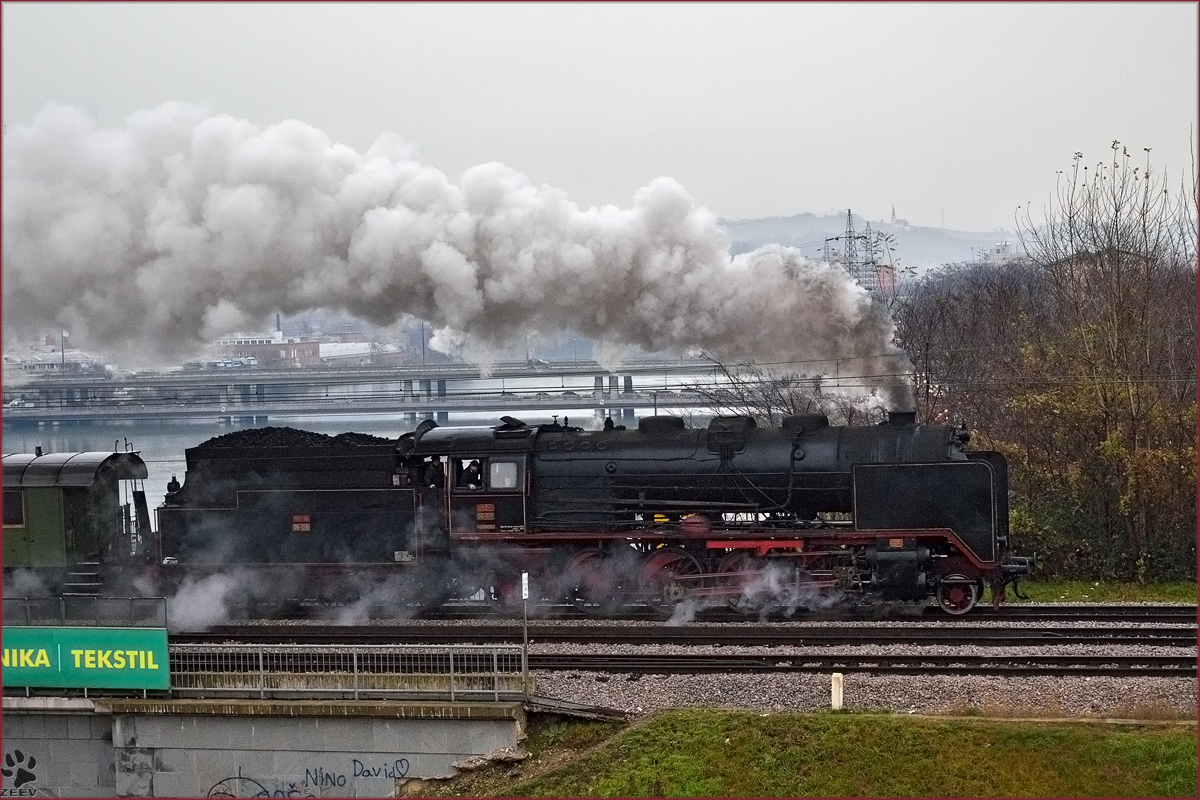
(1026, 696)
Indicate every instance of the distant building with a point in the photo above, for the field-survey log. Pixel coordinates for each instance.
(21, 369)
(885, 279)
(361, 354)
(72, 362)
(998, 253)
(346, 353)
(271, 350)
(347, 334)
(1001, 253)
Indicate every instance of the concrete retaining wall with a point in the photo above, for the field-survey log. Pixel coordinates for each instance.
(58, 747)
(197, 748)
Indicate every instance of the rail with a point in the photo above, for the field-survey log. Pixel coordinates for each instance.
(350, 673)
(748, 634)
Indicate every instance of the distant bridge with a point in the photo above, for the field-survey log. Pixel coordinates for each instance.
(415, 390)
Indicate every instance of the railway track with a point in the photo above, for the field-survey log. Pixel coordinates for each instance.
(746, 634)
(1107, 665)
(1142, 613)
(1108, 627)
(1084, 613)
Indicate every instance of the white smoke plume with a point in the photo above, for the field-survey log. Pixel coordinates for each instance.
(151, 239)
(25, 583)
(394, 597)
(775, 590)
(686, 610)
(203, 602)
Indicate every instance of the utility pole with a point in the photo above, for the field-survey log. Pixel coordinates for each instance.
(525, 633)
(861, 269)
(851, 244)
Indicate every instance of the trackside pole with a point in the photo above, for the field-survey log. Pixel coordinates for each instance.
(525, 632)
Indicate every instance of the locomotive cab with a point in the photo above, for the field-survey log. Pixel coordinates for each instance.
(484, 484)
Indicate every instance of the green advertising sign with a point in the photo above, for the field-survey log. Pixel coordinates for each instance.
(91, 658)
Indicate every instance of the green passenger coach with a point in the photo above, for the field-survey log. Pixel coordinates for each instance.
(68, 515)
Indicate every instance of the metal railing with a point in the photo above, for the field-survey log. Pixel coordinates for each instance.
(86, 611)
(423, 672)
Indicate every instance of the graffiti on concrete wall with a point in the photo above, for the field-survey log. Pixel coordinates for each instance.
(244, 786)
(317, 778)
(323, 777)
(18, 771)
(395, 769)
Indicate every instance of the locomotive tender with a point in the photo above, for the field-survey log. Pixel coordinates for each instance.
(759, 518)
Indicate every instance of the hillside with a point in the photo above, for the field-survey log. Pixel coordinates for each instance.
(915, 246)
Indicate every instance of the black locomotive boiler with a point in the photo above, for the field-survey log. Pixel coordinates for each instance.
(757, 517)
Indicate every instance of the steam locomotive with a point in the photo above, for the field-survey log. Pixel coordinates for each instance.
(662, 516)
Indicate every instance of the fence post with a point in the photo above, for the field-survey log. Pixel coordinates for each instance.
(262, 677)
(525, 624)
(496, 675)
(354, 654)
(450, 653)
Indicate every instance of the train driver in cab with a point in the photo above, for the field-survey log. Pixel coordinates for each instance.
(472, 476)
(435, 475)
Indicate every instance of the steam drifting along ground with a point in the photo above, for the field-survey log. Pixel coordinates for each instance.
(151, 239)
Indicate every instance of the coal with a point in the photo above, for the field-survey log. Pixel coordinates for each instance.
(291, 437)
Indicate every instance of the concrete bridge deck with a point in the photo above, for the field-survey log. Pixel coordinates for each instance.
(262, 394)
(511, 404)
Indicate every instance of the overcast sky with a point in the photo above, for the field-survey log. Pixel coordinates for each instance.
(757, 109)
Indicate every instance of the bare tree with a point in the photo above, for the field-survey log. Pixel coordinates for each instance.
(1080, 363)
(750, 389)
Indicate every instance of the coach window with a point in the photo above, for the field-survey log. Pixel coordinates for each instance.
(14, 509)
(504, 475)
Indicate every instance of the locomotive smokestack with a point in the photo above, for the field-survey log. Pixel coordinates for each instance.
(902, 419)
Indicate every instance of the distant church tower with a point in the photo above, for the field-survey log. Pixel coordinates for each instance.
(893, 213)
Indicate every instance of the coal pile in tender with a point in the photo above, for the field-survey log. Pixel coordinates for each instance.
(292, 437)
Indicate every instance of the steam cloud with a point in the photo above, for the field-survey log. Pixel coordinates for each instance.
(152, 239)
(24, 583)
(204, 602)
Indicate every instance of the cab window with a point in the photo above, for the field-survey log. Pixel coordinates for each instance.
(504, 475)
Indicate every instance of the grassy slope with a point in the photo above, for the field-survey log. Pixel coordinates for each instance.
(1101, 592)
(741, 754)
(685, 752)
